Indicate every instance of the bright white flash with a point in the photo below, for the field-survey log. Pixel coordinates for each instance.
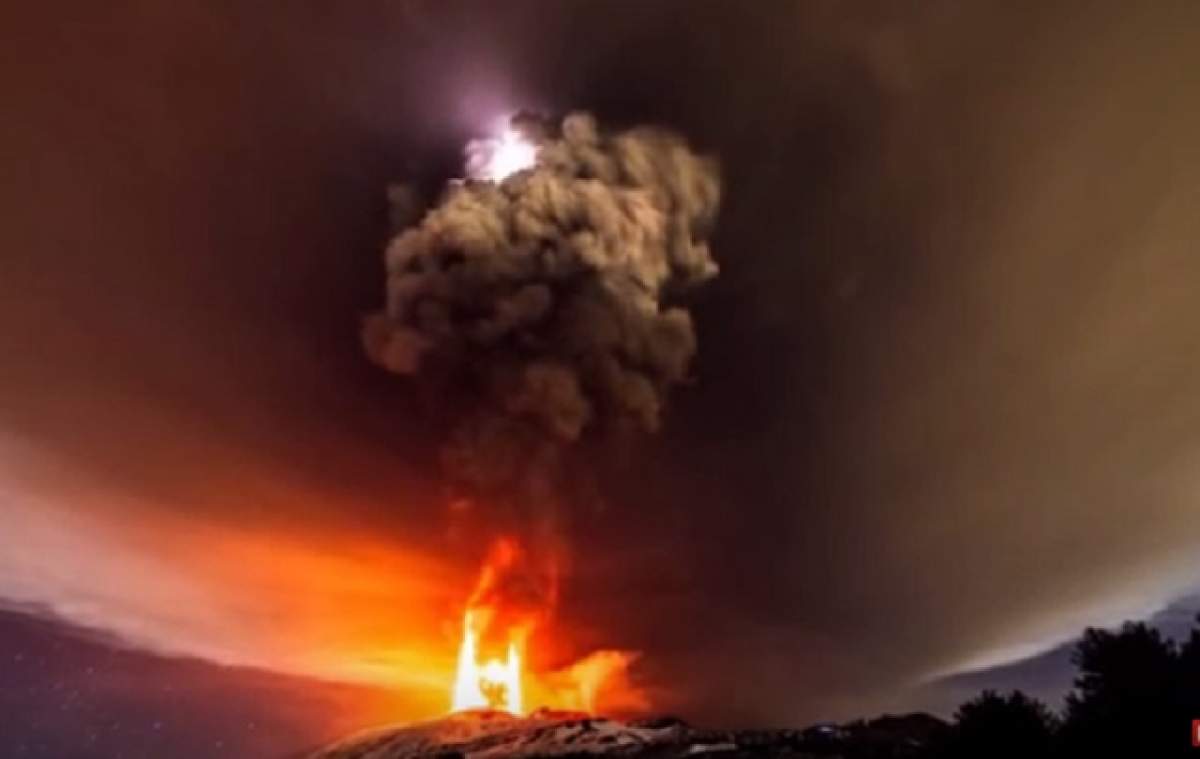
(495, 158)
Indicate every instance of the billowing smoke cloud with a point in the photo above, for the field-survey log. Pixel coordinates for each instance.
(537, 307)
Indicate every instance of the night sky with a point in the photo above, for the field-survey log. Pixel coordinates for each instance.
(945, 410)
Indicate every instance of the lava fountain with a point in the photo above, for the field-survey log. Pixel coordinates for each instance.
(509, 600)
(494, 684)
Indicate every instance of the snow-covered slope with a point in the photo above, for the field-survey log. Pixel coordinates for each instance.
(491, 735)
(563, 735)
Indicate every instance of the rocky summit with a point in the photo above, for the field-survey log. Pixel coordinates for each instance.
(488, 734)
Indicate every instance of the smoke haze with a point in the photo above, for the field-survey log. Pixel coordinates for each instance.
(945, 412)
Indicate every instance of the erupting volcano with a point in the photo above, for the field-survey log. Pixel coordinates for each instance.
(534, 303)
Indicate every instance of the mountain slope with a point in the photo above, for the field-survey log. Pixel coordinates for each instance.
(493, 735)
(490, 734)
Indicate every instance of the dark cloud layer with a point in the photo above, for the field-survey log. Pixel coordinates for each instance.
(946, 406)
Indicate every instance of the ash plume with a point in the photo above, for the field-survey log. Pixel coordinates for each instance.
(537, 307)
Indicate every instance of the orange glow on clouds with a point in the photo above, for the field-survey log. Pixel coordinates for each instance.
(296, 598)
(336, 606)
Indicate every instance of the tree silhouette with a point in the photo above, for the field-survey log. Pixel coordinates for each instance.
(995, 726)
(1128, 698)
(1135, 695)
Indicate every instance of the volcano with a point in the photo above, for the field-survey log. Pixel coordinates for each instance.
(544, 733)
(494, 734)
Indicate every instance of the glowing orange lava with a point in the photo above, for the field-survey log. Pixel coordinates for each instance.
(513, 597)
(494, 684)
(493, 616)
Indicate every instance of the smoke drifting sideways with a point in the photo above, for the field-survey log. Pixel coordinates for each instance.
(536, 307)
